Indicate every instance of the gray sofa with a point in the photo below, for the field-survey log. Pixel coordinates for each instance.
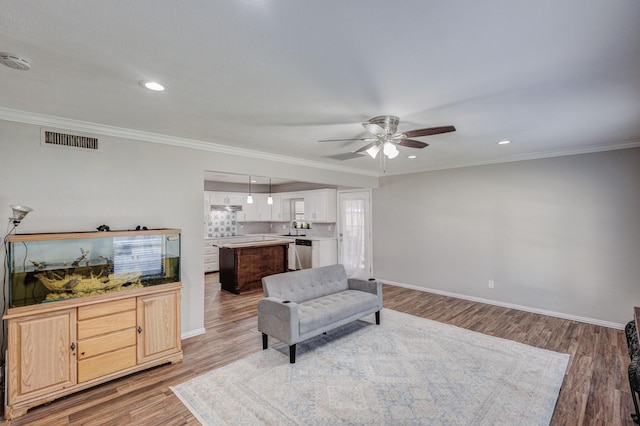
(302, 304)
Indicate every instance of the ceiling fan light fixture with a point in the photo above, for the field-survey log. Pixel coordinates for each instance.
(373, 151)
(390, 150)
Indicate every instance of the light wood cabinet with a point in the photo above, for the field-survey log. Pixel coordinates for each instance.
(55, 349)
(159, 326)
(41, 356)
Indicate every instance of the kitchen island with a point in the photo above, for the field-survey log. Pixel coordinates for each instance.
(243, 265)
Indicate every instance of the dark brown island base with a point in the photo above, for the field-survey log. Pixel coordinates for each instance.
(243, 265)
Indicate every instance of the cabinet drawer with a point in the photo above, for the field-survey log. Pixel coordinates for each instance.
(106, 343)
(110, 362)
(107, 324)
(211, 259)
(106, 308)
(211, 250)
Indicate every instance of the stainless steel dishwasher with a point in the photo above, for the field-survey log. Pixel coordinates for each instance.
(303, 253)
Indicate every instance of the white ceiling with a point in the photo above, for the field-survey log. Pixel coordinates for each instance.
(553, 76)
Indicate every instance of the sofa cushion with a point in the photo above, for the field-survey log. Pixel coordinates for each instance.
(324, 311)
(306, 284)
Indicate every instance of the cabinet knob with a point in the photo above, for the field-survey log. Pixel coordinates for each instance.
(139, 329)
(73, 346)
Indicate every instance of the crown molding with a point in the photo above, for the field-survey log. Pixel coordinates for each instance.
(101, 129)
(531, 156)
(105, 130)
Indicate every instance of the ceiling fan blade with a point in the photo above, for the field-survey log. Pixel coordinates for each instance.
(427, 132)
(346, 140)
(411, 143)
(366, 147)
(374, 129)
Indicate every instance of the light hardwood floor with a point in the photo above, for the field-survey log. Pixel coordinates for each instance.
(595, 390)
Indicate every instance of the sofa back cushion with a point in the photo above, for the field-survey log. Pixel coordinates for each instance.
(306, 284)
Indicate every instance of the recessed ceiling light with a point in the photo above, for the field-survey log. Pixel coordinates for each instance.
(152, 85)
(504, 142)
(412, 156)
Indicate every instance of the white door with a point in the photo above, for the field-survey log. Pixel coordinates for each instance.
(354, 233)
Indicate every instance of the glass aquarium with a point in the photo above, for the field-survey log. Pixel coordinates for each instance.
(49, 267)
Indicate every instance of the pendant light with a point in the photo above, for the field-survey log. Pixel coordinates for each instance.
(249, 197)
(269, 198)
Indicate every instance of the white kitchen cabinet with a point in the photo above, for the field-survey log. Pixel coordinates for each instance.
(258, 211)
(225, 199)
(211, 262)
(320, 205)
(276, 208)
(324, 253)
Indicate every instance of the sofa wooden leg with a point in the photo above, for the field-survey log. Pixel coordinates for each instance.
(264, 341)
(378, 317)
(292, 354)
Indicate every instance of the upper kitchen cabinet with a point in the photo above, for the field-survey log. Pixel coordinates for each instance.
(258, 211)
(276, 209)
(320, 205)
(224, 199)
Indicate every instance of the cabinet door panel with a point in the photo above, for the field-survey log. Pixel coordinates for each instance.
(158, 320)
(40, 356)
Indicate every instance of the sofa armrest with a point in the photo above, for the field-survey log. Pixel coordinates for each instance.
(369, 286)
(279, 318)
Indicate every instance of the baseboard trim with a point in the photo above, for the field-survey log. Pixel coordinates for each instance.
(193, 333)
(509, 305)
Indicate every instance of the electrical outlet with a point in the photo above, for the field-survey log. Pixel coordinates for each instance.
(491, 284)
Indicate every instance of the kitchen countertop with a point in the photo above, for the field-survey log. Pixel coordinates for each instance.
(300, 237)
(275, 236)
(270, 242)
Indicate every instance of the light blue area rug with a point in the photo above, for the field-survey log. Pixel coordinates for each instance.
(406, 371)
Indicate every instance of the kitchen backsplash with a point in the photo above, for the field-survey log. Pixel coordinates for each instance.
(222, 224)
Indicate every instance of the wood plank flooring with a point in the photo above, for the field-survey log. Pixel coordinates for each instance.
(595, 390)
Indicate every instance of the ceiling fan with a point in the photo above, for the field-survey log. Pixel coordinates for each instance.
(383, 129)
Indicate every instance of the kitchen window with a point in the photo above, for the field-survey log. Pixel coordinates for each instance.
(297, 207)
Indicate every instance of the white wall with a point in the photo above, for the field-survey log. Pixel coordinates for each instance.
(127, 183)
(559, 234)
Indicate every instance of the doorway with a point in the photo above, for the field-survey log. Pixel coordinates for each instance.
(355, 233)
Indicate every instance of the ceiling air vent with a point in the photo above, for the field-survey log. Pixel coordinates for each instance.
(72, 141)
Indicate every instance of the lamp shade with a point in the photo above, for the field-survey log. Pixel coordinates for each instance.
(19, 212)
(390, 150)
(373, 151)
